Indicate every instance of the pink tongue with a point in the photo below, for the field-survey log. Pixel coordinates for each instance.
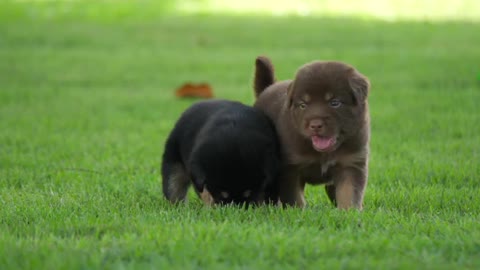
(322, 143)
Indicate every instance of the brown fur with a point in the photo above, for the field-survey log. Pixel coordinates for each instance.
(326, 102)
(206, 197)
(264, 74)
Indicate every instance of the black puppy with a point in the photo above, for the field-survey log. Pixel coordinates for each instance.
(229, 151)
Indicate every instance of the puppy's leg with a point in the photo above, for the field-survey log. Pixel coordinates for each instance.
(291, 191)
(206, 197)
(349, 188)
(175, 180)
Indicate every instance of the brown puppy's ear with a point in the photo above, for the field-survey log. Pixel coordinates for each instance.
(264, 74)
(290, 94)
(360, 86)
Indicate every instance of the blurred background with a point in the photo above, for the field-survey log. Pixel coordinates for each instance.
(389, 10)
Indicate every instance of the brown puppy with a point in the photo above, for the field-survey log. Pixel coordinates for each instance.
(322, 119)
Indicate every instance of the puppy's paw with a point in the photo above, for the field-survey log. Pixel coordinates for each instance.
(206, 197)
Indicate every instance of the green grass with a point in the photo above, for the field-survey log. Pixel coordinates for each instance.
(86, 102)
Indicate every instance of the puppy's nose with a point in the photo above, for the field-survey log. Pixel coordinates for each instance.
(316, 124)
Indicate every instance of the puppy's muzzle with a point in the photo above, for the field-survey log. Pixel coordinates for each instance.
(317, 126)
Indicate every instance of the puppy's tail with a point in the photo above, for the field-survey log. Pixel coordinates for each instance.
(264, 74)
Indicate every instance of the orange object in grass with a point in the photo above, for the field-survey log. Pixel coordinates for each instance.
(202, 90)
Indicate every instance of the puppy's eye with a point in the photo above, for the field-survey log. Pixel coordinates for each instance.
(335, 103)
(302, 105)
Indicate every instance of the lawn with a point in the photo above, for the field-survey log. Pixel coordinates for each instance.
(87, 100)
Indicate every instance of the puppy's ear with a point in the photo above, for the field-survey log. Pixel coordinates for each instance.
(264, 74)
(290, 94)
(360, 86)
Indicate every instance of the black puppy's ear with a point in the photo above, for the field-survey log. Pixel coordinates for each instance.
(290, 94)
(360, 86)
(264, 74)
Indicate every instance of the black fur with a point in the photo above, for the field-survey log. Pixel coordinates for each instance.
(226, 148)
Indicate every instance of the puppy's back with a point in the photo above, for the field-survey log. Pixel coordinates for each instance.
(236, 149)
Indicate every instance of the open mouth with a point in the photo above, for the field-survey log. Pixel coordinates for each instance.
(323, 143)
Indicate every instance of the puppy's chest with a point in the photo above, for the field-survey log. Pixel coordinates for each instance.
(317, 172)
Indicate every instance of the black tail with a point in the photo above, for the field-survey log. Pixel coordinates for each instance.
(264, 74)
